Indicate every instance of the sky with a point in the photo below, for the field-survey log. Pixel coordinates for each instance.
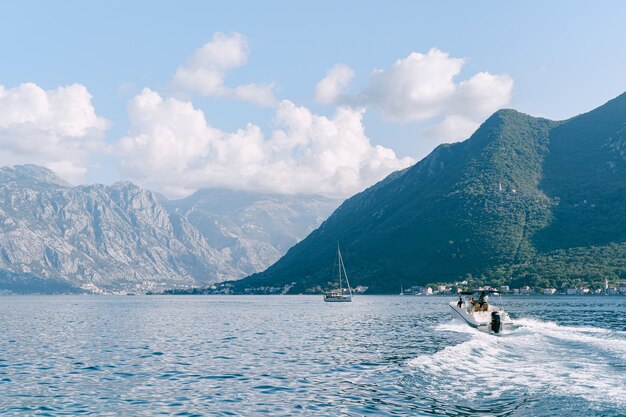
(288, 97)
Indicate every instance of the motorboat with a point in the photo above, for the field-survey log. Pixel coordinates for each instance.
(478, 312)
(340, 295)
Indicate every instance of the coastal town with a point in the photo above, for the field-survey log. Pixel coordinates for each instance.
(445, 289)
(454, 288)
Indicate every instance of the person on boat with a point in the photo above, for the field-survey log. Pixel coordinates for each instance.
(460, 303)
(483, 301)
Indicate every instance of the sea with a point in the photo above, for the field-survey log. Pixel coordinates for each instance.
(296, 355)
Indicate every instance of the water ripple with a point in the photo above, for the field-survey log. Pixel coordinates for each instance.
(383, 356)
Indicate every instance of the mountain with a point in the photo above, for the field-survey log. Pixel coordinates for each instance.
(256, 229)
(523, 200)
(56, 237)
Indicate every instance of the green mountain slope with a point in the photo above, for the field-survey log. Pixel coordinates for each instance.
(521, 195)
(585, 175)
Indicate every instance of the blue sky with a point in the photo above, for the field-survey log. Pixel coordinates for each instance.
(558, 58)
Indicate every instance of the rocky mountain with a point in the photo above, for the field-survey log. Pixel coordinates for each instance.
(57, 237)
(523, 200)
(256, 229)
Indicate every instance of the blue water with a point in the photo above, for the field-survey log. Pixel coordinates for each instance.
(290, 355)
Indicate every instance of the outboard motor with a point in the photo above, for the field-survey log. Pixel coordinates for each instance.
(496, 324)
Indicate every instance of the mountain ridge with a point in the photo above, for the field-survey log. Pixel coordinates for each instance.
(119, 237)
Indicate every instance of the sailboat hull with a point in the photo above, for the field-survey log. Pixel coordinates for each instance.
(338, 299)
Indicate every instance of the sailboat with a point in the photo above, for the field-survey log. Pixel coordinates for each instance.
(340, 295)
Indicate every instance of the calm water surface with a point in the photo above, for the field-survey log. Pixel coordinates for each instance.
(296, 355)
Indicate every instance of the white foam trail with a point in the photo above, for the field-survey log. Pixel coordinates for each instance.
(540, 357)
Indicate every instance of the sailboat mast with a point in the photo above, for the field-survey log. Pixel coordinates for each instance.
(343, 267)
(339, 263)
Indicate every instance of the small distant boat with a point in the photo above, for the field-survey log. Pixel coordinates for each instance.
(480, 313)
(340, 295)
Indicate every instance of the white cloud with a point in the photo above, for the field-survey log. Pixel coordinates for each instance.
(422, 87)
(415, 88)
(56, 128)
(171, 147)
(482, 95)
(205, 70)
(452, 129)
(330, 88)
(260, 94)
(473, 101)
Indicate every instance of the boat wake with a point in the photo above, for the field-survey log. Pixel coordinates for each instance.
(538, 359)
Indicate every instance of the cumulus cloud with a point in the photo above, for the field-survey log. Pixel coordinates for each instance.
(473, 101)
(260, 94)
(415, 88)
(331, 87)
(204, 72)
(482, 95)
(171, 147)
(451, 129)
(57, 128)
(423, 87)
